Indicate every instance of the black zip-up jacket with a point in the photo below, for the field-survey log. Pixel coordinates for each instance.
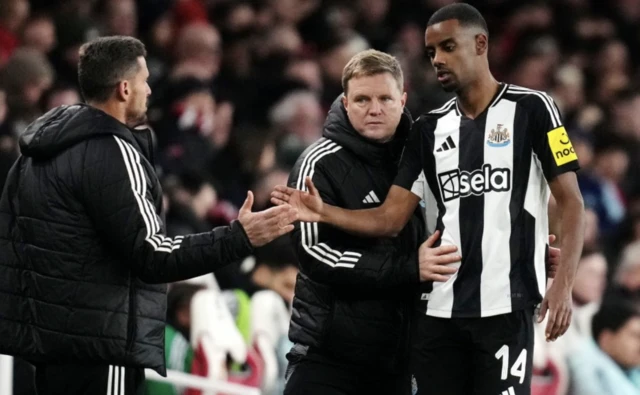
(83, 253)
(353, 295)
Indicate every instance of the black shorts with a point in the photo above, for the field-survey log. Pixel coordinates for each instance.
(473, 356)
(88, 379)
(316, 374)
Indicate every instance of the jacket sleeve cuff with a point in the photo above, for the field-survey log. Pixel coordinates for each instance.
(238, 232)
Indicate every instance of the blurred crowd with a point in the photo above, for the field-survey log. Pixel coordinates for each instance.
(241, 87)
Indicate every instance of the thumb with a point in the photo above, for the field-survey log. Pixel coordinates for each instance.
(432, 239)
(552, 238)
(312, 188)
(543, 310)
(248, 203)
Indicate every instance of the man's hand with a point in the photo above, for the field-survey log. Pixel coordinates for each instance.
(558, 302)
(554, 258)
(433, 261)
(264, 226)
(308, 204)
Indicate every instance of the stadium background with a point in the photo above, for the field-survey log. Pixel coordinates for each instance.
(241, 87)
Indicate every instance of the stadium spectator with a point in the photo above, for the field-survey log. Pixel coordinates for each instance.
(609, 363)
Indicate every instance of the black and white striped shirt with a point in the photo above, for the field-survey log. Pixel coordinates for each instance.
(488, 179)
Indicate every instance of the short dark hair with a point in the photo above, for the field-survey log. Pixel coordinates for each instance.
(614, 313)
(105, 62)
(465, 14)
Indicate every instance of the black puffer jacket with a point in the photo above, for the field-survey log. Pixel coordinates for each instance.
(82, 243)
(352, 296)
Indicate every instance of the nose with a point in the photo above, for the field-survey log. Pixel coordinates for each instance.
(376, 107)
(438, 59)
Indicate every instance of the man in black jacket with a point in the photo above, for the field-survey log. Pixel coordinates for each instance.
(352, 300)
(82, 245)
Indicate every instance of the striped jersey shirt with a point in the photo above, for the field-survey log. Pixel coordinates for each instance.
(485, 185)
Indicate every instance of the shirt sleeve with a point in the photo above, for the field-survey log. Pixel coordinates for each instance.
(411, 161)
(550, 140)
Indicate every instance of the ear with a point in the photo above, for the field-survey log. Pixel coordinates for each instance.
(345, 101)
(403, 100)
(124, 90)
(482, 44)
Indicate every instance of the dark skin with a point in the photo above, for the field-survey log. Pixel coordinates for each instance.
(459, 56)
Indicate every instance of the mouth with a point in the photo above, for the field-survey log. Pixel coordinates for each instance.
(443, 75)
(374, 123)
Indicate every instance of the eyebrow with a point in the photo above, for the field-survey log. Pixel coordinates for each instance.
(443, 42)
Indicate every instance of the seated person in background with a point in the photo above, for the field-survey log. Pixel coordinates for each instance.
(610, 362)
(178, 351)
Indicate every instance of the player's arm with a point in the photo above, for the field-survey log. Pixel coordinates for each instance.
(559, 163)
(383, 221)
(117, 198)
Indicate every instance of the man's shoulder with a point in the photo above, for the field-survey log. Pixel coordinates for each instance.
(529, 99)
(430, 118)
(322, 156)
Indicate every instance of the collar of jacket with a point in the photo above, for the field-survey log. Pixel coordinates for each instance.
(338, 128)
(66, 126)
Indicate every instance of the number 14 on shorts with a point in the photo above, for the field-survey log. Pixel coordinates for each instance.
(519, 367)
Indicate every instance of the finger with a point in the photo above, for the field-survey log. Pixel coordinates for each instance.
(554, 252)
(444, 270)
(248, 203)
(280, 196)
(438, 277)
(543, 311)
(277, 202)
(446, 259)
(553, 325)
(566, 322)
(552, 238)
(276, 212)
(432, 239)
(287, 218)
(284, 230)
(312, 188)
(284, 189)
(444, 250)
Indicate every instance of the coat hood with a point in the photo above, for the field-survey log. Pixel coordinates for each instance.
(66, 126)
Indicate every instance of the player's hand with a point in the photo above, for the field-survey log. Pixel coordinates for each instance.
(309, 204)
(263, 226)
(554, 258)
(434, 261)
(558, 302)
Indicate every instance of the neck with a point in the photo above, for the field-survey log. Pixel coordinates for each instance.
(475, 98)
(112, 109)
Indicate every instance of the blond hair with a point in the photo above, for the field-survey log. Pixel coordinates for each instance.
(372, 62)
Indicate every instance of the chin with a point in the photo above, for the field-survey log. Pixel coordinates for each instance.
(450, 87)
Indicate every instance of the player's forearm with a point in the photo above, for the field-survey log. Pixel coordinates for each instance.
(572, 237)
(369, 223)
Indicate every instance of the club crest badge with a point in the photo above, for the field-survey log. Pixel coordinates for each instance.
(498, 137)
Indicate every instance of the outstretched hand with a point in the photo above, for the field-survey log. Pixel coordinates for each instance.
(264, 226)
(309, 205)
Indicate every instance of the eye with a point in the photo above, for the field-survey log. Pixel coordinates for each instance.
(431, 54)
(449, 47)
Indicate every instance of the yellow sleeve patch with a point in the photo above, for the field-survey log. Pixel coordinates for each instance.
(561, 146)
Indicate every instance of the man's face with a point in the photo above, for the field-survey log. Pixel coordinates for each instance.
(623, 346)
(374, 105)
(591, 278)
(453, 53)
(137, 99)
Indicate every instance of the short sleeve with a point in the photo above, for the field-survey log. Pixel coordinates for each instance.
(411, 161)
(550, 140)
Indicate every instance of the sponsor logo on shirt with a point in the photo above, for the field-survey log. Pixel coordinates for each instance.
(458, 183)
(561, 146)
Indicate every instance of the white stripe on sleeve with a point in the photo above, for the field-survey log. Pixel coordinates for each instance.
(138, 180)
